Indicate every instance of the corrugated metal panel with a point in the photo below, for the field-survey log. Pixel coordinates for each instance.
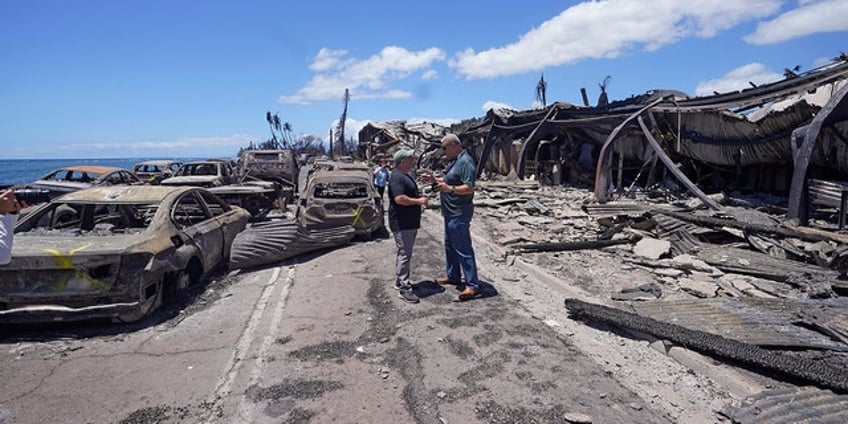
(822, 372)
(764, 322)
(268, 242)
(730, 259)
(683, 242)
(668, 224)
(615, 209)
(792, 405)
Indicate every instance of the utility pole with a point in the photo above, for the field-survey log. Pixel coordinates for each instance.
(331, 144)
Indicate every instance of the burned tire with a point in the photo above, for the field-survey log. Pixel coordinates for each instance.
(183, 281)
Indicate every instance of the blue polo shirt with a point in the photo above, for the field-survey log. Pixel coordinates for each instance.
(461, 171)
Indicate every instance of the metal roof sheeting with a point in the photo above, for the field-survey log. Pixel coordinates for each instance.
(763, 322)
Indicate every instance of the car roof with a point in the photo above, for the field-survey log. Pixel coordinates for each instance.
(95, 169)
(157, 162)
(125, 194)
(208, 161)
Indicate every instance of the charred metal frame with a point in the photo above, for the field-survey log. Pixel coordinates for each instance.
(806, 138)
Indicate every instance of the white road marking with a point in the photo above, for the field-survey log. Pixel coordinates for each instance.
(246, 407)
(240, 352)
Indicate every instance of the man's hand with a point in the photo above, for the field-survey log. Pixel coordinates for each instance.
(427, 178)
(8, 202)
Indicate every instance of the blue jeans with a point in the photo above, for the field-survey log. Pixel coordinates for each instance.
(459, 255)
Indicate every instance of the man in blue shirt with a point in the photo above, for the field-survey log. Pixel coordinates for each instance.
(457, 195)
(381, 177)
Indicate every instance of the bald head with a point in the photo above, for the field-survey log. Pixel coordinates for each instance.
(450, 139)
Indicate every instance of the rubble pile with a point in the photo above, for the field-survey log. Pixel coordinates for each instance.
(737, 274)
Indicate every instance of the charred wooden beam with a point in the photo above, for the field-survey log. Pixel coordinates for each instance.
(708, 221)
(532, 138)
(675, 170)
(835, 109)
(602, 170)
(491, 138)
(572, 245)
(773, 364)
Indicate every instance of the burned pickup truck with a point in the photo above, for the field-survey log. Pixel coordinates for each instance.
(278, 166)
(111, 252)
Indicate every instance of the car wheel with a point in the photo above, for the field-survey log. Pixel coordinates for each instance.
(148, 303)
(189, 276)
(183, 280)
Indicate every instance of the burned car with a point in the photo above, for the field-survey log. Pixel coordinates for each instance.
(112, 252)
(207, 173)
(334, 198)
(154, 171)
(257, 196)
(73, 178)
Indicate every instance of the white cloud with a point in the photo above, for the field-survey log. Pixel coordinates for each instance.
(328, 59)
(608, 29)
(366, 79)
(429, 75)
(183, 147)
(352, 127)
(738, 79)
(810, 18)
(491, 104)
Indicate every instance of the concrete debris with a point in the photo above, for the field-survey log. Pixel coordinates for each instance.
(698, 288)
(577, 418)
(737, 253)
(651, 248)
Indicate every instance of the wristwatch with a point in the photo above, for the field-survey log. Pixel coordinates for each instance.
(453, 190)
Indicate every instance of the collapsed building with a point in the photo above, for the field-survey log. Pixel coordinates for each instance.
(786, 138)
(751, 271)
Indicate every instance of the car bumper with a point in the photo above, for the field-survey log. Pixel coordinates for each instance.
(59, 313)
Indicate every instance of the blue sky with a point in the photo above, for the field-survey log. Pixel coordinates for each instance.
(154, 78)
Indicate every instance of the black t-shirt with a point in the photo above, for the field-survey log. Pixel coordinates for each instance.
(403, 217)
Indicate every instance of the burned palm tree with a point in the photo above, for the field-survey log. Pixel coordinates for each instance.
(341, 128)
(278, 127)
(287, 134)
(270, 119)
(541, 88)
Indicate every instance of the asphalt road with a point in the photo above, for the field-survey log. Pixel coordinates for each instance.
(323, 339)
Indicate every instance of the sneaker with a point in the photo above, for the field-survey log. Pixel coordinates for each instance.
(397, 285)
(467, 294)
(407, 295)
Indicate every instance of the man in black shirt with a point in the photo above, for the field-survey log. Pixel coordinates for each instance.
(405, 204)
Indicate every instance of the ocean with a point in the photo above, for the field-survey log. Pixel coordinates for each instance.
(23, 171)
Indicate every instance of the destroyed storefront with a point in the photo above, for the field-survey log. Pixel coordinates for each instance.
(741, 141)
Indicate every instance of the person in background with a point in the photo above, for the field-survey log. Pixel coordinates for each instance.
(381, 177)
(9, 207)
(456, 190)
(405, 204)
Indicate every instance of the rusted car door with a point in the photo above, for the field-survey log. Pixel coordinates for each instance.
(199, 228)
(227, 220)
